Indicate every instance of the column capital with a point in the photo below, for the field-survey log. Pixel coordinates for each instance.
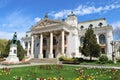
(41, 34)
(62, 30)
(33, 34)
(51, 31)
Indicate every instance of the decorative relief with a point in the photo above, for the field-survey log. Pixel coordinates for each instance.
(48, 22)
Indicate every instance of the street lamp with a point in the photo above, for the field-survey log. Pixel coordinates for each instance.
(113, 51)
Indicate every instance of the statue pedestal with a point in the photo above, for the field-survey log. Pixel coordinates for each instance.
(12, 57)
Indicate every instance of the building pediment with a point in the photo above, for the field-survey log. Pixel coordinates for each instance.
(48, 23)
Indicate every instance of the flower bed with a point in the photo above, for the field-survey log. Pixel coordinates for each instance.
(66, 60)
(70, 62)
(2, 59)
(12, 63)
(58, 72)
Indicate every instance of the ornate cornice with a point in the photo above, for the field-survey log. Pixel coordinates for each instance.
(47, 23)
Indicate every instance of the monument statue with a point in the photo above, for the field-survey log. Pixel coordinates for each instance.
(12, 57)
(14, 40)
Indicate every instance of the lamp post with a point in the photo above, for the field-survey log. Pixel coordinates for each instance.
(113, 52)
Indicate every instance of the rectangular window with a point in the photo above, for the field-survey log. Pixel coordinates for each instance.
(14, 51)
(103, 50)
(26, 45)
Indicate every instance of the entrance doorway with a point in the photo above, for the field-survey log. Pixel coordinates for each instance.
(54, 56)
(103, 50)
(44, 53)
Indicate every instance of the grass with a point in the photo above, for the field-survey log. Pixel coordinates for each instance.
(59, 71)
(33, 72)
(95, 62)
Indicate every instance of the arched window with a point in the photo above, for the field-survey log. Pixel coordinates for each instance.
(81, 27)
(54, 41)
(26, 35)
(100, 24)
(44, 41)
(102, 39)
(81, 40)
(90, 26)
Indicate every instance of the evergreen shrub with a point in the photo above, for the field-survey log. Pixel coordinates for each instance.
(103, 59)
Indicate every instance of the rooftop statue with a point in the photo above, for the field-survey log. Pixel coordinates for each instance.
(14, 40)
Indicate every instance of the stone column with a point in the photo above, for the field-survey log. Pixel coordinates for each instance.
(67, 46)
(28, 48)
(41, 46)
(97, 36)
(63, 43)
(51, 45)
(23, 44)
(32, 46)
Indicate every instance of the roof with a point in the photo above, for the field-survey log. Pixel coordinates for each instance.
(46, 22)
(93, 20)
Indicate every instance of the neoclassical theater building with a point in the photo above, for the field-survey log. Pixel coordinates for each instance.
(50, 38)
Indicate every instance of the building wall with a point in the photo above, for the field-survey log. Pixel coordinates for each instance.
(116, 47)
(75, 33)
(73, 43)
(109, 37)
(95, 23)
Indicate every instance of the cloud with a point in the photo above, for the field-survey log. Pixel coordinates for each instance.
(16, 19)
(116, 24)
(15, 22)
(116, 28)
(9, 35)
(37, 19)
(60, 14)
(83, 10)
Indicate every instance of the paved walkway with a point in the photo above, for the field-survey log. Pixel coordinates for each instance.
(21, 65)
(97, 66)
(33, 64)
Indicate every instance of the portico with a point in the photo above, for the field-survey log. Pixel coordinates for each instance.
(51, 44)
(48, 39)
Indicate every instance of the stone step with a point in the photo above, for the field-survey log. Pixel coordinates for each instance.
(44, 60)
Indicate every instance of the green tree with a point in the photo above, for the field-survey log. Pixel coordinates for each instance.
(3, 43)
(20, 50)
(90, 47)
(7, 48)
(118, 49)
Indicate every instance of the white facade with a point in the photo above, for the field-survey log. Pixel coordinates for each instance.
(53, 38)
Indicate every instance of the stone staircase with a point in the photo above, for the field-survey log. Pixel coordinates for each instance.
(44, 60)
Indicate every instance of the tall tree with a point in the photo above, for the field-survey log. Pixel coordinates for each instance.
(90, 46)
(118, 49)
(3, 43)
(20, 50)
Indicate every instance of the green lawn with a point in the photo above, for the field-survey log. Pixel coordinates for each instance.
(59, 72)
(95, 62)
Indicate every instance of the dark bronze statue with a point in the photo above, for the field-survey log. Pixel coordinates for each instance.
(14, 40)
